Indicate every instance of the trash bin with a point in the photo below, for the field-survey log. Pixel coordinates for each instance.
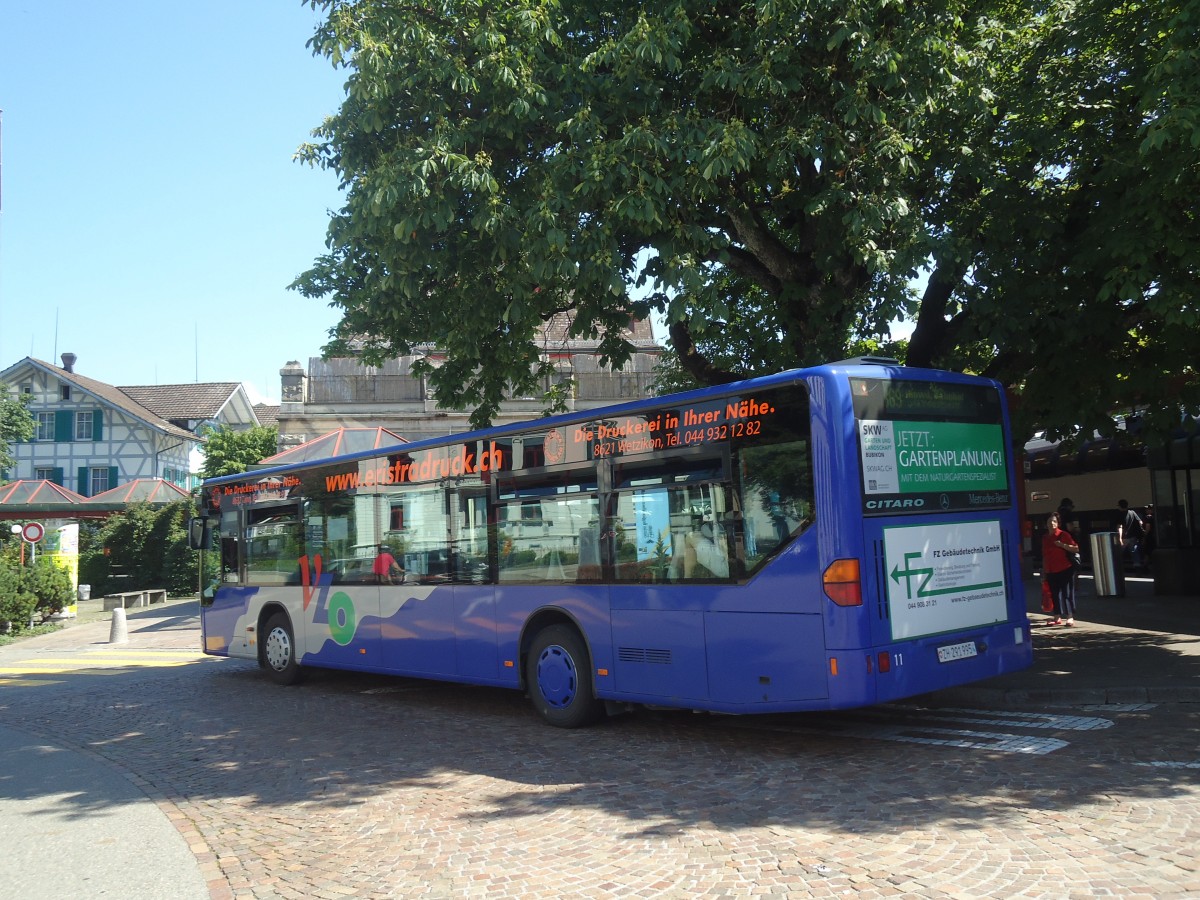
(1107, 566)
(85, 592)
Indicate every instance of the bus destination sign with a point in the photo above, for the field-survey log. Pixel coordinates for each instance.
(666, 429)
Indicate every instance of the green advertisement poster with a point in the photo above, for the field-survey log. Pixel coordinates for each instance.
(956, 464)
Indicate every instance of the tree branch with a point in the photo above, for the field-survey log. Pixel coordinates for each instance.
(692, 362)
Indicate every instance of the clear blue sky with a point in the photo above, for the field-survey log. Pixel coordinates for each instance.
(152, 215)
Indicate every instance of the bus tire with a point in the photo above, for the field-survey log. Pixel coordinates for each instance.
(278, 654)
(558, 675)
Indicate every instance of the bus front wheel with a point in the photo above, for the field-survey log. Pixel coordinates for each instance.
(558, 674)
(278, 654)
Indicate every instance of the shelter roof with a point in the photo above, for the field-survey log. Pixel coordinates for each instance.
(140, 490)
(37, 499)
(335, 443)
(41, 492)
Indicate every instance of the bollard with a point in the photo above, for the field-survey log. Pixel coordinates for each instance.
(118, 632)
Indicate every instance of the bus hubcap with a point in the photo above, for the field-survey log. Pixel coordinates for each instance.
(558, 679)
(279, 649)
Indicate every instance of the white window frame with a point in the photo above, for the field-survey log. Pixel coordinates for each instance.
(98, 480)
(44, 430)
(88, 416)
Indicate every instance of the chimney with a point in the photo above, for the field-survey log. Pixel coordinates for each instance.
(68, 360)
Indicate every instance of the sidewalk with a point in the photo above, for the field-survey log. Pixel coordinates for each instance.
(1139, 648)
(75, 825)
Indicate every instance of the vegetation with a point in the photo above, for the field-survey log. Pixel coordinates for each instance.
(16, 424)
(230, 452)
(34, 590)
(773, 177)
(142, 547)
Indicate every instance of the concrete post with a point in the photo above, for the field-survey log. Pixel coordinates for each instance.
(118, 631)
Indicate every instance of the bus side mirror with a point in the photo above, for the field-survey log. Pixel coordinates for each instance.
(200, 533)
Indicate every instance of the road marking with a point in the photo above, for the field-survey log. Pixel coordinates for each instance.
(1021, 719)
(102, 659)
(917, 733)
(936, 726)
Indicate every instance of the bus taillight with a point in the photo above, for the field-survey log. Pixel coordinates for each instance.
(842, 583)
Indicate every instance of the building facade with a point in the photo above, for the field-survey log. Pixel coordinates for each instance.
(92, 437)
(332, 394)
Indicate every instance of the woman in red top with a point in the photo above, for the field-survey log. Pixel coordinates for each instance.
(1056, 566)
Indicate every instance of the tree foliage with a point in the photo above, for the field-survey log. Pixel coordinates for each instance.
(16, 424)
(231, 452)
(771, 176)
(146, 545)
(35, 587)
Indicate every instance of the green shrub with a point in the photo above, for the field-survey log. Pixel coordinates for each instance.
(141, 547)
(33, 590)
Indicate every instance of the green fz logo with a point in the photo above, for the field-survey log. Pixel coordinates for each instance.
(908, 573)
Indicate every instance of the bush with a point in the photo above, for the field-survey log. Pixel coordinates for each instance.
(144, 547)
(16, 603)
(27, 591)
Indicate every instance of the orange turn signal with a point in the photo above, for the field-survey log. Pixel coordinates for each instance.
(842, 582)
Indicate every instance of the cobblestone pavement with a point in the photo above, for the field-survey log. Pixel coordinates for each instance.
(357, 786)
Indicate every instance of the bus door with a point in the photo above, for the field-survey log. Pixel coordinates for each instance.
(338, 602)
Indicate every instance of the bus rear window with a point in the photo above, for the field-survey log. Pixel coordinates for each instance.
(929, 447)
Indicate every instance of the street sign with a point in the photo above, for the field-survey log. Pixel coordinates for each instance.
(33, 532)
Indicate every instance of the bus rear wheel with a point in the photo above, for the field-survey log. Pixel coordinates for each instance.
(558, 674)
(278, 654)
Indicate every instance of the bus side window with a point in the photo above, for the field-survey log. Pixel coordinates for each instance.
(775, 498)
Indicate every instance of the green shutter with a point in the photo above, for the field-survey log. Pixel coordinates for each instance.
(83, 480)
(112, 477)
(97, 425)
(58, 477)
(64, 426)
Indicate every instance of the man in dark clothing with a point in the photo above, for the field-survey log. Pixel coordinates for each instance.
(1131, 531)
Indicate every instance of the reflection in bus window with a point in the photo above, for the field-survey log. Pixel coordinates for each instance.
(273, 545)
(341, 530)
(776, 497)
(675, 532)
(559, 542)
(226, 538)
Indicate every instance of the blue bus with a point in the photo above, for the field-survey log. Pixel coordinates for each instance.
(822, 538)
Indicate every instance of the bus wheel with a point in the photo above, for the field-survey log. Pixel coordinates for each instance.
(559, 678)
(278, 655)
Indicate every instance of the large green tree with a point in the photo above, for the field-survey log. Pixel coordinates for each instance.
(773, 177)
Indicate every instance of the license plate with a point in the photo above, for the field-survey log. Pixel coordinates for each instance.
(951, 652)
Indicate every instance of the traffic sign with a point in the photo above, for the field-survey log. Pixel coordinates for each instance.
(33, 532)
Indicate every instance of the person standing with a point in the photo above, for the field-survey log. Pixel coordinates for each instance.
(1131, 531)
(1151, 538)
(1058, 570)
